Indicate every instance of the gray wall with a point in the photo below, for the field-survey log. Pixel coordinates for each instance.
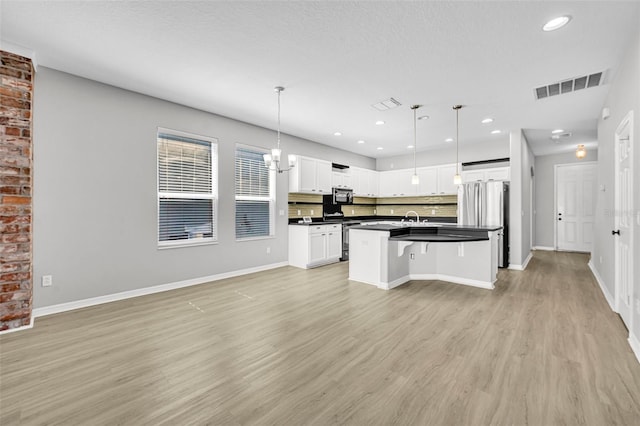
(495, 148)
(544, 194)
(624, 96)
(95, 191)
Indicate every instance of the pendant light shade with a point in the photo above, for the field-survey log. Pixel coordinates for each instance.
(457, 179)
(415, 179)
(581, 152)
(272, 160)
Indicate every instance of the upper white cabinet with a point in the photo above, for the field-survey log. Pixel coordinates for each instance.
(311, 176)
(342, 180)
(428, 181)
(397, 183)
(445, 180)
(365, 182)
(485, 175)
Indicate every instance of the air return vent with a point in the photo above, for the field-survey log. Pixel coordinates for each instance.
(568, 86)
(386, 104)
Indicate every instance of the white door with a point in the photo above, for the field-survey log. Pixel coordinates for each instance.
(307, 170)
(334, 244)
(575, 206)
(317, 247)
(623, 219)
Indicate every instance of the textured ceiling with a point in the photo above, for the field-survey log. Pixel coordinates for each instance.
(335, 59)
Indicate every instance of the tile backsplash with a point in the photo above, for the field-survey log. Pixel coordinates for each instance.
(427, 206)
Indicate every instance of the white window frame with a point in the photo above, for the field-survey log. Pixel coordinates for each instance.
(213, 196)
(271, 198)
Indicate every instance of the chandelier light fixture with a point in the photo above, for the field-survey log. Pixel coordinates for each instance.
(457, 179)
(581, 152)
(415, 180)
(272, 161)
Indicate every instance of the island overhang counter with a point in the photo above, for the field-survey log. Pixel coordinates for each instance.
(388, 255)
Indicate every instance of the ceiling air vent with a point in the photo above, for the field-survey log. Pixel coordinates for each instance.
(568, 86)
(386, 104)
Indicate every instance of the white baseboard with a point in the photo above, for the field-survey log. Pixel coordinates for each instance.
(77, 304)
(456, 280)
(522, 267)
(24, 327)
(544, 248)
(603, 288)
(635, 345)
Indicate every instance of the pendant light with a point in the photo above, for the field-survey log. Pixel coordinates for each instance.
(272, 161)
(581, 152)
(457, 179)
(415, 180)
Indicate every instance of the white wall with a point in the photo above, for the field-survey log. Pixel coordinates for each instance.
(488, 150)
(544, 214)
(95, 214)
(624, 96)
(520, 199)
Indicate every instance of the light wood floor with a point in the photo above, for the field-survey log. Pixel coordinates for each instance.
(296, 347)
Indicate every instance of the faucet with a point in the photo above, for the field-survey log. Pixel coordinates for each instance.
(411, 211)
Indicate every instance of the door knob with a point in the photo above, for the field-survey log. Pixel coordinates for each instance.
(615, 232)
(559, 218)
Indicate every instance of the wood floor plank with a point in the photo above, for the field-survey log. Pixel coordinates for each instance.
(307, 347)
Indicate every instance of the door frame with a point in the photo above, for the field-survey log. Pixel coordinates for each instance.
(626, 125)
(555, 195)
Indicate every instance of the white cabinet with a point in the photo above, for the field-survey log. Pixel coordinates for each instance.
(314, 245)
(485, 175)
(445, 179)
(341, 180)
(397, 183)
(428, 181)
(311, 176)
(365, 182)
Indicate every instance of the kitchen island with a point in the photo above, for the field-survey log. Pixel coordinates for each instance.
(388, 255)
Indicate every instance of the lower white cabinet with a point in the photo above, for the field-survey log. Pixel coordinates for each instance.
(314, 245)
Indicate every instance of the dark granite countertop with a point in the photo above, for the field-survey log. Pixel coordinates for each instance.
(433, 232)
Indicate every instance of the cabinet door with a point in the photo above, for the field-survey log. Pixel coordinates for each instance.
(428, 181)
(307, 174)
(397, 183)
(498, 173)
(374, 182)
(359, 182)
(317, 247)
(445, 179)
(334, 244)
(472, 176)
(323, 177)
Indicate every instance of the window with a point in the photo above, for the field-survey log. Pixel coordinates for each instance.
(255, 194)
(187, 189)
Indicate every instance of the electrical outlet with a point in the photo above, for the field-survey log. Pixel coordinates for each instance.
(268, 250)
(298, 212)
(391, 211)
(281, 212)
(601, 260)
(433, 211)
(412, 256)
(47, 280)
(311, 212)
(353, 211)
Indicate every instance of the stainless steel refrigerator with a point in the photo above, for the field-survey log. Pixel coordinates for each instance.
(487, 204)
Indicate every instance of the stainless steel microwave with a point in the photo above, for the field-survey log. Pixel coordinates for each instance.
(342, 196)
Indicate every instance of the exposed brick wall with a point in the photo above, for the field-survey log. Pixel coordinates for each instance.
(16, 91)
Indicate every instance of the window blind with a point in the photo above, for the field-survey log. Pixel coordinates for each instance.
(186, 189)
(254, 194)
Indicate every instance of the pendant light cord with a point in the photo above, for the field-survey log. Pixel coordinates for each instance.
(457, 140)
(414, 141)
(278, 89)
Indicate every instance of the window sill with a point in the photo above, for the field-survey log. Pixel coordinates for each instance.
(269, 237)
(186, 243)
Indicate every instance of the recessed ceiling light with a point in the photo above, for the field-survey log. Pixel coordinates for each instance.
(337, 134)
(423, 117)
(556, 23)
(361, 141)
(495, 132)
(448, 140)
(379, 148)
(556, 131)
(379, 123)
(487, 121)
(409, 146)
